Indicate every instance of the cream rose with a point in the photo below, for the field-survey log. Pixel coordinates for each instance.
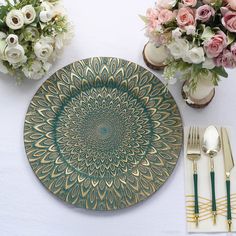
(15, 54)
(29, 14)
(178, 48)
(43, 49)
(195, 55)
(166, 4)
(15, 19)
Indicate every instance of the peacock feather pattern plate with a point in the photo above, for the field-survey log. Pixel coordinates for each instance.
(103, 134)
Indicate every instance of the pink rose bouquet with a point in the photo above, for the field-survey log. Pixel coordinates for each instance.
(200, 35)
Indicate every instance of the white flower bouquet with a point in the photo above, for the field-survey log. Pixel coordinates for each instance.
(200, 36)
(32, 34)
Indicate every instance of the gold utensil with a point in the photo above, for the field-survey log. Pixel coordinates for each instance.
(194, 154)
(211, 145)
(229, 165)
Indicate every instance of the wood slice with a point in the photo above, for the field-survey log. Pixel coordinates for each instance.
(151, 65)
(198, 103)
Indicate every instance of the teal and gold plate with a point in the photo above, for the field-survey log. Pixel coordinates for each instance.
(103, 134)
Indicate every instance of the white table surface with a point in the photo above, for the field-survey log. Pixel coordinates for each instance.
(103, 28)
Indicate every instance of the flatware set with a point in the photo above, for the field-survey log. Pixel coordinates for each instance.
(210, 144)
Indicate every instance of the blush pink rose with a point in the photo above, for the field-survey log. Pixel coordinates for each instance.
(204, 13)
(214, 46)
(218, 60)
(151, 14)
(229, 20)
(186, 17)
(189, 3)
(233, 50)
(228, 59)
(231, 4)
(166, 15)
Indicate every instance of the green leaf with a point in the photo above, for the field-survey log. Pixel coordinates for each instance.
(144, 19)
(231, 38)
(207, 33)
(220, 71)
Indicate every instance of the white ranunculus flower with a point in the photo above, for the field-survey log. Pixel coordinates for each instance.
(165, 4)
(3, 46)
(178, 48)
(15, 19)
(208, 64)
(43, 49)
(3, 68)
(45, 16)
(195, 55)
(29, 14)
(12, 40)
(15, 54)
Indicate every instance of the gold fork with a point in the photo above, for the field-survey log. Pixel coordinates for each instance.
(194, 154)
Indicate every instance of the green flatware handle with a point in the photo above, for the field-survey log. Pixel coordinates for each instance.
(229, 216)
(213, 191)
(196, 206)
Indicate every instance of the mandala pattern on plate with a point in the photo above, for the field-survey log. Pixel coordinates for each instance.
(103, 134)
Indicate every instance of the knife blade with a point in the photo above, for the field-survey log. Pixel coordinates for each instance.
(229, 165)
(227, 151)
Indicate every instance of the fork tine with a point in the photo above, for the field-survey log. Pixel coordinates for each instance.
(190, 136)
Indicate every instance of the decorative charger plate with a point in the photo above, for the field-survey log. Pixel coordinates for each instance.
(103, 134)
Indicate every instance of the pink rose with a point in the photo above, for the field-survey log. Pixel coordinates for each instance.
(189, 3)
(185, 17)
(214, 46)
(204, 13)
(229, 20)
(152, 14)
(218, 60)
(228, 59)
(166, 15)
(233, 50)
(231, 4)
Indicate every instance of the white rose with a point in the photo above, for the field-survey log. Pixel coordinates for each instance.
(43, 49)
(190, 29)
(195, 55)
(12, 40)
(3, 68)
(208, 64)
(29, 14)
(15, 19)
(176, 33)
(178, 48)
(166, 4)
(15, 54)
(3, 46)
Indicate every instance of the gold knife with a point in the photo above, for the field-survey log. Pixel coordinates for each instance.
(229, 165)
